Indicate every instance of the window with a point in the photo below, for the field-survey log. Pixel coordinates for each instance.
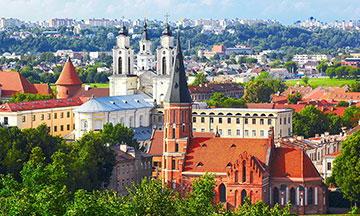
(48, 129)
(220, 132)
(33, 117)
(243, 195)
(246, 133)
(61, 115)
(284, 121)
(194, 119)
(194, 129)
(173, 164)
(237, 132)
(254, 133)
(229, 132)
(229, 120)
(202, 129)
(6, 120)
(328, 166)
(280, 121)
(49, 116)
(246, 121)
(141, 120)
(211, 120)
(261, 121)
(202, 119)
(310, 196)
(292, 196)
(55, 128)
(289, 120)
(269, 121)
(98, 124)
(254, 121)
(176, 147)
(220, 120)
(276, 195)
(131, 121)
(280, 132)
(67, 127)
(55, 115)
(68, 114)
(42, 116)
(84, 125)
(23, 119)
(183, 128)
(251, 177)
(173, 131)
(262, 133)
(236, 176)
(222, 193)
(237, 120)
(61, 127)
(244, 171)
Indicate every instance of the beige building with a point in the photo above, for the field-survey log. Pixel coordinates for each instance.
(236, 122)
(132, 166)
(57, 114)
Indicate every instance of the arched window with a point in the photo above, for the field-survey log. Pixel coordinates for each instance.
(222, 191)
(251, 177)
(276, 196)
(173, 131)
(129, 68)
(163, 66)
(243, 195)
(120, 65)
(292, 196)
(244, 172)
(236, 176)
(236, 198)
(310, 196)
(176, 147)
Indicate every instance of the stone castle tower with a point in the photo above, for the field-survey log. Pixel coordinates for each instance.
(69, 82)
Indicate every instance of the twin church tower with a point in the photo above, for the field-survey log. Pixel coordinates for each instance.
(146, 78)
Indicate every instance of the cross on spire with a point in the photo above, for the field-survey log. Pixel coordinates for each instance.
(167, 17)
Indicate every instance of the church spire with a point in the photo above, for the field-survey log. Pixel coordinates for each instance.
(178, 91)
(145, 35)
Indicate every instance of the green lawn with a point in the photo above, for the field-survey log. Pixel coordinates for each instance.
(315, 82)
(98, 85)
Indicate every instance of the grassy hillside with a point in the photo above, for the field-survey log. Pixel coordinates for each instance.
(315, 82)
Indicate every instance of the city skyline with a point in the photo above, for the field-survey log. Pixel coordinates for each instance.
(285, 11)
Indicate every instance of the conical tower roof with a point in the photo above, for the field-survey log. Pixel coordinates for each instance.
(68, 75)
(178, 91)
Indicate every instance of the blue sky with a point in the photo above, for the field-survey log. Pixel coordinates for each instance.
(286, 11)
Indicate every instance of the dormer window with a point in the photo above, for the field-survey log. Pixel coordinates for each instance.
(200, 164)
(233, 146)
(203, 145)
(228, 165)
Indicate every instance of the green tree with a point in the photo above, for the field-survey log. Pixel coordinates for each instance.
(335, 123)
(355, 87)
(118, 134)
(220, 100)
(351, 116)
(291, 67)
(342, 104)
(330, 71)
(260, 208)
(200, 78)
(294, 98)
(305, 79)
(346, 168)
(322, 67)
(21, 97)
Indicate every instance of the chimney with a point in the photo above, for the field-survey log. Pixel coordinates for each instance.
(317, 135)
(87, 87)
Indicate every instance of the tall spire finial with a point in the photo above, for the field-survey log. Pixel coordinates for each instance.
(167, 18)
(123, 30)
(167, 30)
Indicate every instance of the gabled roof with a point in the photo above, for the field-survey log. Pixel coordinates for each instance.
(292, 163)
(68, 75)
(216, 153)
(178, 91)
(115, 103)
(13, 82)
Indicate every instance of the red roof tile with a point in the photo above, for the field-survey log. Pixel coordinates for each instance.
(216, 153)
(334, 154)
(68, 75)
(292, 163)
(42, 104)
(156, 147)
(13, 82)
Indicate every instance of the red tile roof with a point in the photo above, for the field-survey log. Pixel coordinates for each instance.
(292, 163)
(96, 92)
(214, 87)
(42, 104)
(68, 75)
(13, 82)
(216, 153)
(156, 147)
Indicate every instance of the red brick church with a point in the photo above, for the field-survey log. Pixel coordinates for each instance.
(243, 167)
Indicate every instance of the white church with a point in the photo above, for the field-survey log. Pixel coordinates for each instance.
(146, 79)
